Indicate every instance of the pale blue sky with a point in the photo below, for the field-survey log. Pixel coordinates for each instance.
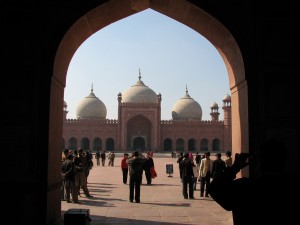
(169, 54)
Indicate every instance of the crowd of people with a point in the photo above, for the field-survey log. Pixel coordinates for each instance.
(217, 178)
(200, 169)
(76, 166)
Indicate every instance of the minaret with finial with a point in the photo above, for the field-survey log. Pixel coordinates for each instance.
(227, 122)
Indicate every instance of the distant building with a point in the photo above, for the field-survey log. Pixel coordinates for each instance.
(139, 125)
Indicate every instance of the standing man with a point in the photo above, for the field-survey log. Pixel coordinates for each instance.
(63, 189)
(228, 160)
(218, 166)
(112, 158)
(147, 167)
(80, 163)
(124, 168)
(103, 156)
(205, 174)
(180, 158)
(68, 174)
(98, 157)
(186, 167)
(136, 167)
(198, 159)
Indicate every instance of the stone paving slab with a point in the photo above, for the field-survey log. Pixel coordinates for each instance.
(162, 202)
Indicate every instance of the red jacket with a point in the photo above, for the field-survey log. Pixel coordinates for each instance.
(124, 164)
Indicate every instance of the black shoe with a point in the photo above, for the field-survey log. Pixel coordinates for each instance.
(185, 197)
(201, 196)
(192, 198)
(89, 196)
(137, 201)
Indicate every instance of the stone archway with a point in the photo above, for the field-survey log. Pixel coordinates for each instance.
(181, 11)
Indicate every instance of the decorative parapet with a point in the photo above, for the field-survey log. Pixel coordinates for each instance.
(192, 122)
(86, 122)
(139, 104)
(111, 121)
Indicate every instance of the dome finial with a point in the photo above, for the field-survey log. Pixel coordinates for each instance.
(186, 89)
(140, 74)
(92, 89)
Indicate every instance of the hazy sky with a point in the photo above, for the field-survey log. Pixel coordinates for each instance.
(169, 54)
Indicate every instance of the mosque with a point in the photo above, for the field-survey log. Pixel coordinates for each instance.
(139, 125)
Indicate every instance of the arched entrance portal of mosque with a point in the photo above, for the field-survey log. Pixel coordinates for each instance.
(139, 133)
(113, 10)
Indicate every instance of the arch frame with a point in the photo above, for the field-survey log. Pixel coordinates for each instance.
(182, 11)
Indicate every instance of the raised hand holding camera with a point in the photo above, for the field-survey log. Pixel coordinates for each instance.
(241, 160)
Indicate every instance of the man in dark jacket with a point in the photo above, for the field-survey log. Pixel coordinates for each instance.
(187, 173)
(68, 175)
(136, 167)
(180, 158)
(147, 167)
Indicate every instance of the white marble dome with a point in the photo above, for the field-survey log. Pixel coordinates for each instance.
(139, 93)
(187, 108)
(91, 107)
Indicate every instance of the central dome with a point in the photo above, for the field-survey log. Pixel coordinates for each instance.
(186, 108)
(139, 93)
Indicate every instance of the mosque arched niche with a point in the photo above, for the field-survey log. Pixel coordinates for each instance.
(97, 144)
(85, 143)
(72, 144)
(168, 144)
(139, 126)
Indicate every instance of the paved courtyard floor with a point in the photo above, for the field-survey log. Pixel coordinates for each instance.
(162, 202)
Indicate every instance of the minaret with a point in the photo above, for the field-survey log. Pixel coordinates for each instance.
(214, 112)
(119, 120)
(227, 110)
(227, 122)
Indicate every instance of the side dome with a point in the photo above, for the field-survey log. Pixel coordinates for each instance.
(139, 93)
(91, 107)
(186, 108)
(214, 105)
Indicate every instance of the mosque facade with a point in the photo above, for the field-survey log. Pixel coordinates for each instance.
(139, 125)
